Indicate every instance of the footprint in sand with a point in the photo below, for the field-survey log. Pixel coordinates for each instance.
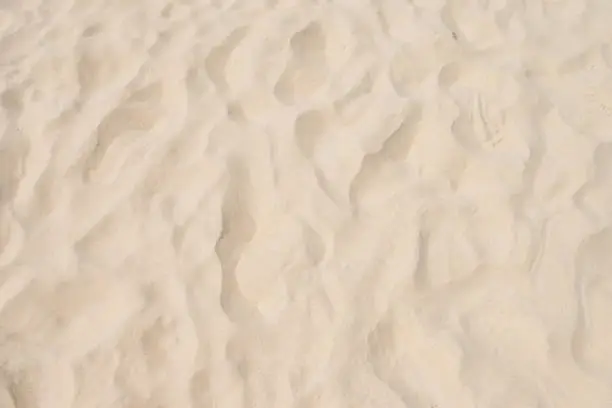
(307, 67)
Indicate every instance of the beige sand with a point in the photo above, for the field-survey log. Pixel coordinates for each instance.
(306, 203)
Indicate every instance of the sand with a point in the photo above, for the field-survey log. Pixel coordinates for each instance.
(306, 203)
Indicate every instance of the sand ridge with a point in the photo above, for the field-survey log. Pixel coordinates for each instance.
(309, 203)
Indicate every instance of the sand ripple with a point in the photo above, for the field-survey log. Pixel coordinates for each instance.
(309, 203)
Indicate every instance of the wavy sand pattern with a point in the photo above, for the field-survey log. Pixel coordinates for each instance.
(306, 203)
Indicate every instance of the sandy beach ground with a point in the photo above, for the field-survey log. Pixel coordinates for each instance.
(309, 204)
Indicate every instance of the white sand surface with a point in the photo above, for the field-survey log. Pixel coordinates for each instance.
(305, 203)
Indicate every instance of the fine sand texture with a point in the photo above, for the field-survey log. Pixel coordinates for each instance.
(305, 204)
